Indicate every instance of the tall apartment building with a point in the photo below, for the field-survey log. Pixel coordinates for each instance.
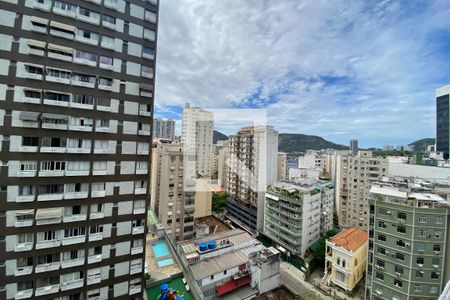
(297, 213)
(354, 146)
(282, 169)
(408, 241)
(197, 138)
(252, 166)
(172, 202)
(354, 175)
(163, 129)
(443, 121)
(76, 99)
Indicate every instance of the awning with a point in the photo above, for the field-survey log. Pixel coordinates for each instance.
(62, 26)
(59, 48)
(25, 212)
(39, 20)
(36, 43)
(48, 213)
(53, 116)
(29, 116)
(226, 288)
(243, 280)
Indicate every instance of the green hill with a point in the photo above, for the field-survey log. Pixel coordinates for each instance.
(296, 142)
(423, 143)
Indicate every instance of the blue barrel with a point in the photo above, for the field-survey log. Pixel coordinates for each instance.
(203, 246)
(164, 287)
(212, 244)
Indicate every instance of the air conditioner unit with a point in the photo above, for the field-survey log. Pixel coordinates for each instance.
(388, 212)
(387, 252)
(379, 292)
(435, 267)
(401, 220)
(407, 244)
(420, 266)
(436, 252)
(398, 274)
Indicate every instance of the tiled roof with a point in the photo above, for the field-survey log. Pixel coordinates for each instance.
(350, 239)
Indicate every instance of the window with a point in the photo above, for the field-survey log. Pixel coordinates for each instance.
(379, 275)
(381, 250)
(382, 211)
(150, 16)
(33, 94)
(398, 282)
(109, 19)
(401, 215)
(57, 96)
(419, 274)
(382, 224)
(59, 74)
(399, 256)
(27, 190)
(78, 231)
(439, 220)
(86, 55)
(105, 81)
(75, 165)
(54, 142)
(147, 70)
(382, 237)
(401, 229)
(84, 78)
(422, 233)
(87, 34)
(433, 290)
(23, 238)
(423, 220)
(106, 60)
(28, 166)
(63, 6)
(51, 189)
(34, 70)
(436, 248)
(401, 243)
(148, 52)
(380, 263)
(83, 99)
(420, 260)
(420, 248)
(417, 288)
(398, 269)
(212, 277)
(53, 166)
(149, 34)
(30, 141)
(96, 229)
(435, 275)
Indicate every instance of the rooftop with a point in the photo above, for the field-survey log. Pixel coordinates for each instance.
(218, 264)
(235, 236)
(214, 224)
(350, 239)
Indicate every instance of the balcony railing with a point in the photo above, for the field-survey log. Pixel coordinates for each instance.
(50, 289)
(72, 262)
(48, 244)
(138, 230)
(47, 267)
(94, 258)
(95, 236)
(74, 240)
(24, 247)
(76, 195)
(74, 218)
(137, 250)
(50, 197)
(73, 284)
(20, 271)
(24, 294)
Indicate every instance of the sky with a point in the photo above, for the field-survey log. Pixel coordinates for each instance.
(363, 69)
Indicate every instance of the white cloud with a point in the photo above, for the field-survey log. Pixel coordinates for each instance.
(339, 69)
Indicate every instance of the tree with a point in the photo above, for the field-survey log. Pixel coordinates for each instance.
(335, 219)
(320, 251)
(219, 202)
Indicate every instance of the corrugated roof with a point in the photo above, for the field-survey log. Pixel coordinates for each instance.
(350, 239)
(218, 264)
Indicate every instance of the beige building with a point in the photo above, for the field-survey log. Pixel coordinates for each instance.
(197, 138)
(346, 258)
(282, 169)
(222, 167)
(203, 198)
(354, 175)
(252, 166)
(172, 204)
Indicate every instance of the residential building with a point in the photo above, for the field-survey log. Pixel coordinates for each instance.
(282, 170)
(418, 171)
(408, 238)
(203, 198)
(227, 264)
(222, 167)
(297, 213)
(302, 174)
(443, 121)
(354, 146)
(252, 165)
(164, 129)
(76, 102)
(354, 175)
(216, 157)
(313, 159)
(173, 204)
(197, 138)
(346, 258)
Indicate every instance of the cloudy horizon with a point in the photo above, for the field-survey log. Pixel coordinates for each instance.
(337, 69)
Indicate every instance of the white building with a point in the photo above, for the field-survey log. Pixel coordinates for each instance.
(197, 138)
(282, 169)
(163, 129)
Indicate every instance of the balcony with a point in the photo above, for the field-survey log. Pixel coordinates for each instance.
(24, 294)
(23, 247)
(86, 40)
(105, 87)
(31, 100)
(57, 102)
(140, 191)
(95, 259)
(67, 13)
(142, 151)
(107, 45)
(110, 4)
(144, 132)
(53, 149)
(74, 218)
(37, 52)
(137, 250)
(48, 244)
(51, 173)
(141, 171)
(140, 210)
(42, 6)
(138, 230)
(62, 34)
(50, 289)
(54, 126)
(80, 128)
(77, 173)
(109, 25)
(73, 284)
(103, 108)
(47, 221)
(79, 150)
(72, 262)
(28, 148)
(20, 271)
(145, 113)
(134, 289)
(136, 269)
(101, 129)
(82, 105)
(40, 29)
(50, 197)
(76, 195)
(106, 66)
(96, 215)
(101, 150)
(87, 19)
(93, 279)
(98, 194)
(48, 267)
(96, 236)
(57, 80)
(99, 172)
(23, 223)
(74, 240)
(87, 84)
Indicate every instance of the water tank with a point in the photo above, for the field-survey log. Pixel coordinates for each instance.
(203, 247)
(212, 244)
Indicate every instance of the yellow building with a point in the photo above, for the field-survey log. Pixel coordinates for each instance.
(346, 258)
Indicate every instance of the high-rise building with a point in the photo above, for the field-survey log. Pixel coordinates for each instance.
(197, 138)
(282, 170)
(443, 121)
(252, 165)
(172, 202)
(163, 129)
(408, 240)
(354, 146)
(354, 175)
(76, 98)
(298, 213)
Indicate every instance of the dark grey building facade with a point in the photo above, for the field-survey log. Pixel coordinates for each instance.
(76, 105)
(443, 121)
